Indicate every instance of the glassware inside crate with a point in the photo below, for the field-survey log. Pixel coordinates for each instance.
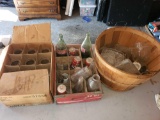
(79, 86)
(75, 61)
(63, 77)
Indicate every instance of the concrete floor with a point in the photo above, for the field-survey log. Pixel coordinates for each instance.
(136, 104)
(73, 28)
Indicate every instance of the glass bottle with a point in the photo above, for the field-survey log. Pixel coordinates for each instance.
(84, 72)
(79, 85)
(86, 47)
(61, 47)
(93, 83)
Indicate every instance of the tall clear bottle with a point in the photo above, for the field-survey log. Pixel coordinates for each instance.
(61, 47)
(86, 47)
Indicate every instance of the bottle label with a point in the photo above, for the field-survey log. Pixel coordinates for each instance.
(83, 50)
(61, 52)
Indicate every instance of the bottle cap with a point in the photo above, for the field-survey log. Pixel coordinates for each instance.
(72, 49)
(61, 89)
(77, 58)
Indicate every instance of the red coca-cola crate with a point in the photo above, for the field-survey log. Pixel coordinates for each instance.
(62, 66)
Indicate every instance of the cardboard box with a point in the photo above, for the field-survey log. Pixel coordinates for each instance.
(25, 87)
(30, 53)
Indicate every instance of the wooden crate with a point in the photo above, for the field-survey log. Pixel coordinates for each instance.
(71, 97)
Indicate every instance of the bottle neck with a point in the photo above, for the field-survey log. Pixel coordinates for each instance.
(87, 37)
(61, 37)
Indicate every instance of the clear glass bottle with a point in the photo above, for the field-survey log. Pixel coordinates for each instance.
(93, 83)
(79, 85)
(61, 47)
(84, 72)
(86, 47)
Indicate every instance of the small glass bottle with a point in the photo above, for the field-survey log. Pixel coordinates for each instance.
(86, 47)
(61, 47)
(93, 83)
(79, 85)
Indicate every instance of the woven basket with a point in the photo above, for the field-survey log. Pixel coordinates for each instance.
(125, 36)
